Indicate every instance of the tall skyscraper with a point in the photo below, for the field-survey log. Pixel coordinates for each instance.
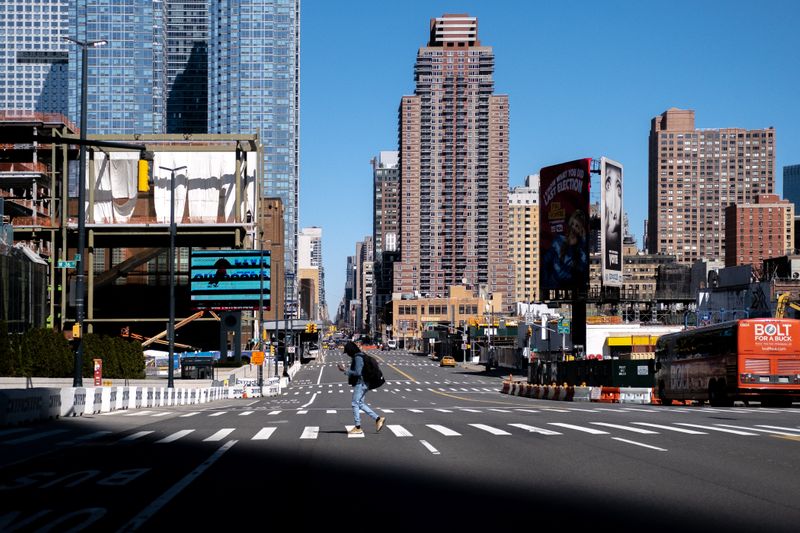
(791, 185)
(454, 168)
(33, 56)
(127, 77)
(523, 238)
(309, 245)
(254, 85)
(187, 66)
(385, 225)
(694, 174)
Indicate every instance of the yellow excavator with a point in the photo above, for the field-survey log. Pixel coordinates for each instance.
(784, 300)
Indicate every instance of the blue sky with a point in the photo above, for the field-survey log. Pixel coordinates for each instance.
(584, 79)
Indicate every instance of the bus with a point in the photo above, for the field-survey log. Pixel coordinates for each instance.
(750, 359)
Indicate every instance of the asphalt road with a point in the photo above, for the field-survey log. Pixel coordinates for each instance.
(454, 453)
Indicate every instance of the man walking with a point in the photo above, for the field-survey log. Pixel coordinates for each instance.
(356, 379)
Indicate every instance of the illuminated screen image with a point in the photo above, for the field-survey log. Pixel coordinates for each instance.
(229, 280)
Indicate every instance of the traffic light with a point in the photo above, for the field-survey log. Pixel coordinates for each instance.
(313, 328)
(308, 327)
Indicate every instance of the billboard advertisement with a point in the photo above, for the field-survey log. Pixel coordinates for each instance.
(611, 222)
(564, 226)
(229, 280)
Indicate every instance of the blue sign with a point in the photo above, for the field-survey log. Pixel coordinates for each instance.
(229, 280)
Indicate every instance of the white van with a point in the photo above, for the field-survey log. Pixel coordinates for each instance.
(391, 344)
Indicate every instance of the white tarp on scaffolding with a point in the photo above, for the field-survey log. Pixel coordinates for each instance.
(114, 187)
(207, 184)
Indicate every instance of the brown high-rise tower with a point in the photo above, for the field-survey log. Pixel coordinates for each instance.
(454, 168)
(694, 175)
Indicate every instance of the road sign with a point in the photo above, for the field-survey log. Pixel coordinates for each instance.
(563, 326)
(66, 264)
(257, 357)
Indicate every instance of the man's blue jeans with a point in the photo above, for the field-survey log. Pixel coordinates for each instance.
(359, 392)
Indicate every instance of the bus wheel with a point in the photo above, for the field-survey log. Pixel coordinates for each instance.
(717, 395)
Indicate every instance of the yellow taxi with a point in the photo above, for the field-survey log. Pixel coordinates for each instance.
(447, 361)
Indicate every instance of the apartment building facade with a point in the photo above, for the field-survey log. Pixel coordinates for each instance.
(758, 231)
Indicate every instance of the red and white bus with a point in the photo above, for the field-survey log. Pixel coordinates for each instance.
(752, 359)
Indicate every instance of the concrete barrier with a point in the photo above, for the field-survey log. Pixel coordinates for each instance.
(639, 395)
(581, 394)
(20, 405)
(105, 399)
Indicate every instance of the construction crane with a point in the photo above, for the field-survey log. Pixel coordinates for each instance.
(784, 300)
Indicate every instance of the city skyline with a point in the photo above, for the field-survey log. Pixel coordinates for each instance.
(549, 60)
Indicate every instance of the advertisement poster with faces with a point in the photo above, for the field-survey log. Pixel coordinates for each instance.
(611, 221)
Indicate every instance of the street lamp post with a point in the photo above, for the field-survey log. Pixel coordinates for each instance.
(80, 278)
(172, 231)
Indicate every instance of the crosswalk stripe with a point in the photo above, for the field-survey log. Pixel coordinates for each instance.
(500, 410)
(626, 428)
(670, 428)
(134, 436)
(219, 435)
(245, 413)
(84, 438)
(723, 430)
(778, 427)
(264, 433)
(490, 429)
(139, 413)
(554, 410)
(218, 414)
(447, 432)
(527, 410)
(470, 410)
(388, 411)
(304, 412)
(534, 429)
(331, 411)
(415, 411)
(444, 410)
(175, 436)
(310, 432)
(158, 415)
(187, 415)
(353, 436)
(771, 431)
(638, 409)
(579, 428)
(35, 436)
(429, 447)
(274, 412)
(399, 431)
(640, 444)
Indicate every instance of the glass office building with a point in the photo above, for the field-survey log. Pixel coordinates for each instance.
(127, 77)
(187, 66)
(254, 85)
(791, 185)
(33, 56)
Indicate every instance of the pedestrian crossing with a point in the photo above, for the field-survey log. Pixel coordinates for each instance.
(412, 429)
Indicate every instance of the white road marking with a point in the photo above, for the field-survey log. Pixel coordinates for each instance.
(310, 401)
(527, 410)
(784, 433)
(302, 412)
(245, 413)
(414, 411)
(310, 432)
(534, 429)
(153, 507)
(490, 429)
(778, 427)
(670, 428)
(218, 414)
(399, 431)
(430, 448)
(626, 428)
(640, 444)
(500, 410)
(187, 415)
(140, 413)
(175, 436)
(165, 413)
(447, 432)
(444, 410)
(579, 428)
(219, 435)
(274, 412)
(264, 433)
(252, 403)
(84, 438)
(554, 410)
(469, 410)
(331, 411)
(134, 436)
(734, 431)
(319, 379)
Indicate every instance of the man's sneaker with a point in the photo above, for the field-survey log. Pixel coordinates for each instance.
(356, 431)
(379, 423)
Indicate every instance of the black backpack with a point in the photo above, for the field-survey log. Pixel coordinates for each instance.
(373, 377)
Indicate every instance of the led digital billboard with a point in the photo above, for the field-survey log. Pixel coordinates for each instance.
(229, 280)
(611, 221)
